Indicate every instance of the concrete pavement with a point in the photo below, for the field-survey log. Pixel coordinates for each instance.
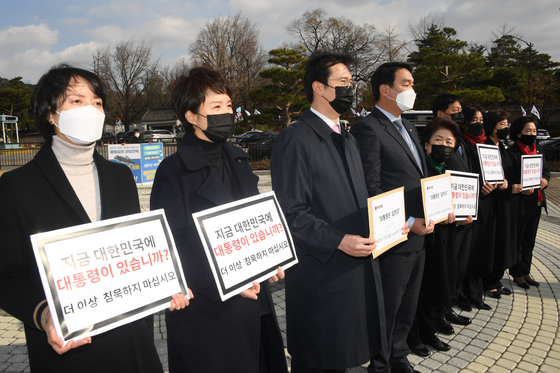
(519, 334)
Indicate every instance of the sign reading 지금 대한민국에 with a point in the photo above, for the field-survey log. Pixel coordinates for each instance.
(490, 163)
(464, 187)
(245, 241)
(531, 171)
(102, 275)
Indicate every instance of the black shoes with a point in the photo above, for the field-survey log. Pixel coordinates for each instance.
(493, 294)
(443, 326)
(421, 350)
(483, 306)
(523, 285)
(531, 282)
(438, 344)
(504, 291)
(451, 316)
(408, 369)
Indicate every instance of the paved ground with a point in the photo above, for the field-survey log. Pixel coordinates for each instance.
(519, 334)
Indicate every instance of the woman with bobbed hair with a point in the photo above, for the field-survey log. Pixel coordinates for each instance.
(496, 127)
(240, 334)
(440, 140)
(524, 132)
(67, 183)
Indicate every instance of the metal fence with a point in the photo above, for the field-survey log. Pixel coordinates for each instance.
(26, 152)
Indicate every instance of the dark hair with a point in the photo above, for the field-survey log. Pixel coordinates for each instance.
(492, 118)
(318, 69)
(51, 89)
(519, 123)
(469, 111)
(440, 123)
(385, 74)
(442, 102)
(189, 92)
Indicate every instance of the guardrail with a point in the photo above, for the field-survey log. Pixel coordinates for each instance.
(25, 153)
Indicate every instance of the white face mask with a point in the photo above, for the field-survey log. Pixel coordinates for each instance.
(82, 125)
(405, 99)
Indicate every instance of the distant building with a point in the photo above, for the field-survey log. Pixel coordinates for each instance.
(162, 118)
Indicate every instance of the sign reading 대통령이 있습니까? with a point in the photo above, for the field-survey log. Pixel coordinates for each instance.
(102, 275)
(245, 241)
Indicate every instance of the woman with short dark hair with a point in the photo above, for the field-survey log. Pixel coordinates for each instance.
(240, 334)
(524, 132)
(67, 183)
(440, 139)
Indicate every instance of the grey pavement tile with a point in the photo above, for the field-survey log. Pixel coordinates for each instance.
(19, 367)
(17, 359)
(457, 362)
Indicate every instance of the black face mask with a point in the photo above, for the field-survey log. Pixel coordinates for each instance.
(528, 139)
(503, 133)
(220, 127)
(343, 99)
(475, 129)
(441, 153)
(458, 118)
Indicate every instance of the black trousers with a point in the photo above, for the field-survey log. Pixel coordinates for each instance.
(401, 274)
(527, 227)
(296, 368)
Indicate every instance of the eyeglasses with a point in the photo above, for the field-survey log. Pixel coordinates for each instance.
(343, 83)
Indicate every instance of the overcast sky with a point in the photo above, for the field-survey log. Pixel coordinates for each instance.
(34, 35)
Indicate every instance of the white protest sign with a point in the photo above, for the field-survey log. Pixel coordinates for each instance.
(531, 171)
(464, 187)
(386, 220)
(102, 275)
(245, 241)
(437, 198)
(490, 163)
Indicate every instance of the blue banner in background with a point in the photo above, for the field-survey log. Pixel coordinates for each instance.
(142, 159)
(152, 155)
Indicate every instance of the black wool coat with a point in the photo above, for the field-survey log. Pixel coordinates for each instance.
(209, 335)
(39, 198)
(334, 301)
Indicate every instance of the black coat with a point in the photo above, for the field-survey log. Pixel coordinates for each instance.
(481, 260)
(209, 335)
(505, 250)
(39, 198)
(528, 205)
(438, 281)
(332, 298)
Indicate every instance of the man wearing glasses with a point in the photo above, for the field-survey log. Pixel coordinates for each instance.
(334, 300)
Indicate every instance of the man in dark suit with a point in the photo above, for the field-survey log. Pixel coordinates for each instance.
(392, 158)
(334, 300)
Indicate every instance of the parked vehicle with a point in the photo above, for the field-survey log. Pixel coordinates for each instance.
(253, 136)
(261, 149)
(122, 137)
(106, 138)
(551, 149)
(159, 136)
(543, 134)
(420, 118)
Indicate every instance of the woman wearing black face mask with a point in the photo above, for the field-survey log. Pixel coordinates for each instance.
(440, 139)
(484, 230)
(242, 333)
(497, 127)
(524, 131)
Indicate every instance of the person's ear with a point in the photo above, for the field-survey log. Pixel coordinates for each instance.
(190, 117)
